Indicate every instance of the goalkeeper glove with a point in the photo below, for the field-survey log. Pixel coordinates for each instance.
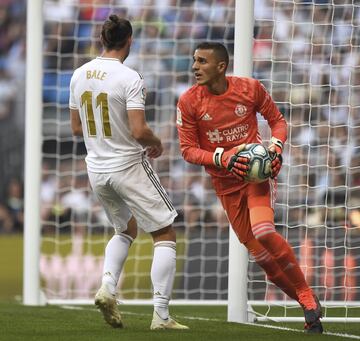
(238, 165)
(275, 150)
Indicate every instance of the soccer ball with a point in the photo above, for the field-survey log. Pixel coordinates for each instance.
(259, 164)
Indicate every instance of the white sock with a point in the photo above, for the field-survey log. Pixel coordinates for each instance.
(162, 275)
(116, 252)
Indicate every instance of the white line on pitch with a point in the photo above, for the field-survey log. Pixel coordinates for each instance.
(349, 336)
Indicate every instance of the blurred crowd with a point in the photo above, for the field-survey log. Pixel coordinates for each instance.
(306, 53)
(12, 103)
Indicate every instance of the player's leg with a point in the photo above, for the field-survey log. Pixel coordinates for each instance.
(263, 228)
(117, 248)
(162, 277)
(155, 215)
(163, 269)
(270, 266)
(237, 211)
(116, 253)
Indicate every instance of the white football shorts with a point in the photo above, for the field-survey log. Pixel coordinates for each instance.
(134, 191)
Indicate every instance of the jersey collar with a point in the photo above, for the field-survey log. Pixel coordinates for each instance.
(226, 93)
(107, 58)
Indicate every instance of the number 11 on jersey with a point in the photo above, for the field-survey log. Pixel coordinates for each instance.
(102, 102)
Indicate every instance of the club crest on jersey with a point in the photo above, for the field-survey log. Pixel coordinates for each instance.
(240, 109)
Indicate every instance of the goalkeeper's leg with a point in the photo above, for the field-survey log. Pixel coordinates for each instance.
(264, 231)
(238, 213)
(272, 269)
(263, 228)
(252, 208)
(162, 276)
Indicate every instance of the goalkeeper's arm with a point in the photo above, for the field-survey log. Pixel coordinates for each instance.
(275, 150)
(190, 145)
(219, 158)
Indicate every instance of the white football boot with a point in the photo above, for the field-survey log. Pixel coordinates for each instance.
(106, 302)
(158, 323)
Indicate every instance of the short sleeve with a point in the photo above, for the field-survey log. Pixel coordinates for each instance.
(136, 94)
(72, 100)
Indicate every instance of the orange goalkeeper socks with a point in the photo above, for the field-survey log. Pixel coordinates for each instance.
(272, 269)
(281, 251)
(282, 282)
(263, 229)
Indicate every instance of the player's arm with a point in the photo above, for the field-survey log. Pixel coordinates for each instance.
(191, 151)
(277, 124)
(143, 133)
(76, 126)
(135, 106)
(75, 120)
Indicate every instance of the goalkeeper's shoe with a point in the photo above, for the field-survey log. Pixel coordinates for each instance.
(107, 304)
(158, 323)
(312, 312)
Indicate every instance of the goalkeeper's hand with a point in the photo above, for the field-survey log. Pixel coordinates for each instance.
(275, 150)
(238, 165)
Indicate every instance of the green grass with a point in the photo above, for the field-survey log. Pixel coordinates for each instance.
(11, 264)
(85, 323)
(18, 322)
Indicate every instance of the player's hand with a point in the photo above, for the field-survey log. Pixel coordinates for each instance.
(154, 151)
(275, 150)
(238, 165)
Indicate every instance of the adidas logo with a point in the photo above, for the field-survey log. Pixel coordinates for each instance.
(206, 117)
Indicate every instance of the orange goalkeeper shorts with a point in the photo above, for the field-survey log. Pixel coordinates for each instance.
(252, 204)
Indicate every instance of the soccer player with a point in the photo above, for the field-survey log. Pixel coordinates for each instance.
(216, 118)
(107, 103)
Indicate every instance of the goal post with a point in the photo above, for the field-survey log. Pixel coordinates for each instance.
(238, 254)
(33, 139)
(306, 53)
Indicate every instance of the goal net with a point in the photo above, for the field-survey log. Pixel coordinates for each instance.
(307, 55)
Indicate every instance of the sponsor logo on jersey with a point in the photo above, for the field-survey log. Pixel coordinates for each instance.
(206, 117)
(240, 110)
(178, 116)
(230, 134)
(214, 136)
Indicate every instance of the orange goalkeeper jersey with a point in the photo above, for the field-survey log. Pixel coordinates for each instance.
(206, 121)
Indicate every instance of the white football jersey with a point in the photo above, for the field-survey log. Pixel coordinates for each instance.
(103, 90)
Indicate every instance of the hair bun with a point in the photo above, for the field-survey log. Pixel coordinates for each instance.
(114, 18)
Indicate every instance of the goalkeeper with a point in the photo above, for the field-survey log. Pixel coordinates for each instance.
(215, 119)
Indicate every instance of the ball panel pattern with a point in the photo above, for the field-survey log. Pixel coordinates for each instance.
(259, 164)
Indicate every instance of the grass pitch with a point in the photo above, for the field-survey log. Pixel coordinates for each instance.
(18, 322)
(207, 323)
